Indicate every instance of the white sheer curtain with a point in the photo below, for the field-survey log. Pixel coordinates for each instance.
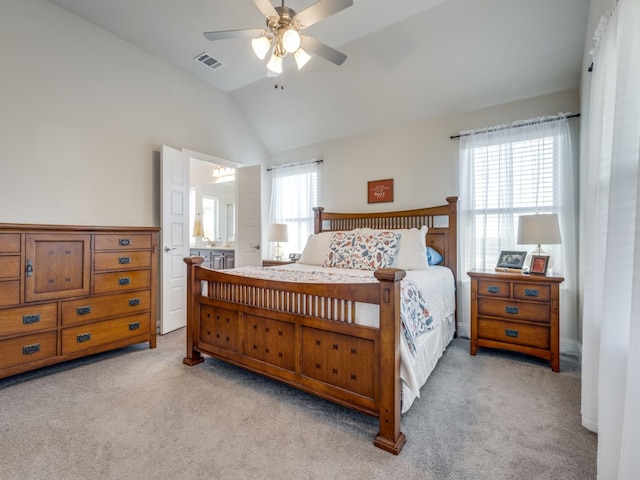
(294, 193)
(508, 171)
(611, 223)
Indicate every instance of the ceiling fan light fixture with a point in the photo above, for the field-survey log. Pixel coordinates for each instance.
(291, 40)
(275, 64)
(261, 46)
(301, 58)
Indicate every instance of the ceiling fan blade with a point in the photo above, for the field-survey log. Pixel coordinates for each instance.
(311, 45)
(225, 34)
(266, 8)
(320, 10)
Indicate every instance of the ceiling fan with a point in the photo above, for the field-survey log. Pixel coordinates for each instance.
(283, 36)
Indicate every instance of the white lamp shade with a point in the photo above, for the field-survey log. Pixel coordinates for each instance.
(275, 64)
(261, 46)
(301, 57)
(291, 40)
(278, 232)
(539, 229)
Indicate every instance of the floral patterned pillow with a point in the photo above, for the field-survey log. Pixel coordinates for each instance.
(374, 250)
(339, 253)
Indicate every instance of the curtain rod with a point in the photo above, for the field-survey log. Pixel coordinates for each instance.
(287, 165)
(573, 115)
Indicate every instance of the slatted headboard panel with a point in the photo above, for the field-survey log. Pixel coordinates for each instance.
(441, 221)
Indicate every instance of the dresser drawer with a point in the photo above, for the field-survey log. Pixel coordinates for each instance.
(26, 349)
(516, 310)
(515, 333)
(95, 308)
(124, 241)
(9, 293)
(83, 337)
(493, 288)
(21, 320)
(526, 291)
(121, 260)
(122, 281)
(10, 266)
(9, 243)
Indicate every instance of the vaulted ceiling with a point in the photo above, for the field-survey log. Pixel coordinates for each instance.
(408, 60)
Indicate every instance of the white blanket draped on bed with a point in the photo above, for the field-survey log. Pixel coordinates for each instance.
(428, 313)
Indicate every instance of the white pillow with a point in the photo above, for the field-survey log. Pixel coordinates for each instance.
(316, 248)
(412, 249)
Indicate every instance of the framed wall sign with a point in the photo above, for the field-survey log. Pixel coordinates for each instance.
(380, 191)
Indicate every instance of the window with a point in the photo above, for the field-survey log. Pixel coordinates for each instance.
(294, 193)
(508, 180)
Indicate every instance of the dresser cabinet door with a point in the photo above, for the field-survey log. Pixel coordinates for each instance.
(57, 266)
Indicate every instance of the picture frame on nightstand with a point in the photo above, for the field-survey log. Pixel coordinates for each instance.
(511, 259)
(539, 264)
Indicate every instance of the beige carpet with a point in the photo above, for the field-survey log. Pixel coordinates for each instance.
(139, 413)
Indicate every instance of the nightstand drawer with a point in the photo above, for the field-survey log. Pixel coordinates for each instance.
(494, 288)
(513, 332)
(511, 309)
(526, 291)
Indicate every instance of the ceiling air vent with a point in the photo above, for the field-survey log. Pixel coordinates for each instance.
(209, 61)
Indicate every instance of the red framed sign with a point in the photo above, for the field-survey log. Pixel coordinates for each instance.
(380, 191)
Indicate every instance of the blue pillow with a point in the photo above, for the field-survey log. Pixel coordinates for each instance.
(433, 257)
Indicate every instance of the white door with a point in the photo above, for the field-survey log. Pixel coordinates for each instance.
(174, 177)
(248, 225)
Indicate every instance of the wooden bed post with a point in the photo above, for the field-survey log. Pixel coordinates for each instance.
(389, 437)
(193, 291)
(317, 219)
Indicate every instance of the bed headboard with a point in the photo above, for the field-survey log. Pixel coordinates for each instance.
(441, 220)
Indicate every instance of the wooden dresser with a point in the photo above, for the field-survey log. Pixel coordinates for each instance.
(71, 291)
(516, 312)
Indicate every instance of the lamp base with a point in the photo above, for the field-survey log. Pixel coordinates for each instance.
(278, 251)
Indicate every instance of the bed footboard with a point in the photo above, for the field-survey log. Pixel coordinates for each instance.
(304, 335)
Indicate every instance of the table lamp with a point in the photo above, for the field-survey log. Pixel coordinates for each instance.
(278, 233)
(538, 229)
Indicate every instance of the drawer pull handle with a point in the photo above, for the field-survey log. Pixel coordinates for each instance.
(493, 289)
(83, 310)
(28, 319)
(85, 337)
(531, 292)
(511, 333)
(124, 281)
(29, 268)
(513, 310)
(124, 260)
(31, 349)
(134, 302)
(124, 242)
(134, 326)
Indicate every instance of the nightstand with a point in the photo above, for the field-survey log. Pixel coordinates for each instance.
(517, 312)
(274, 263)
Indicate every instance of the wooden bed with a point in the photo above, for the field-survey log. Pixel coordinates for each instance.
(303, 334)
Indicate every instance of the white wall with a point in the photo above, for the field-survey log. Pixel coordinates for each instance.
(421, 158)
(82, 113)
